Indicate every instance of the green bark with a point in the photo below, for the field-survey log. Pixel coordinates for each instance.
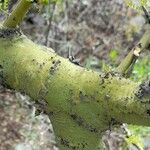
(133, 55)
(17, 14)
(81, 103)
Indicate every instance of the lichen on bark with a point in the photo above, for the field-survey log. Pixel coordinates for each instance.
(81, 103)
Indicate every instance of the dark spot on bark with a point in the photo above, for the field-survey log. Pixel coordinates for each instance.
(53, 62)
(148, 112)
(144, 89)
(105, 75)
(1, 74)
(93, 130)
(64, 142)
(52, 70)
(1, 67)
(103, 87)
(109, 74)
(82, 123)
(14, 19)
(41, 66)
(33, 60)
(145, 102)
(57, 62)
(83, 96)
(10, 33)
(98, 115)
(139, 45)
(148, 47)
(54, 67)
(112, 123)
(73, 116)
(51, 113)
(79, 120)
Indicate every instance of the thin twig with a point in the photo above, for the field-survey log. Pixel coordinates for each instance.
(133, 55)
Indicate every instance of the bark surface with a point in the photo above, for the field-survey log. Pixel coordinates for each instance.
(81, 103)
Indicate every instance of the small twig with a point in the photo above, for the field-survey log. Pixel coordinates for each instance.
(125, 66)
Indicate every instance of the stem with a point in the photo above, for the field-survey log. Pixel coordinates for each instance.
(17, 14)
(126, 63)
(133, 55)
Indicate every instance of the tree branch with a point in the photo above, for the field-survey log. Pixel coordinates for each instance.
(81, 103)
(17, 14)
(133, 55)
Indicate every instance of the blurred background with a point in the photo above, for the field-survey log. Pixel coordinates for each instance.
(99, 34)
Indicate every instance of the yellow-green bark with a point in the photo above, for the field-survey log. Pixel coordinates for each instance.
(81, 103)
(17, 14)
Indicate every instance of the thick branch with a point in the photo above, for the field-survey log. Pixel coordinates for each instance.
(81, 103)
